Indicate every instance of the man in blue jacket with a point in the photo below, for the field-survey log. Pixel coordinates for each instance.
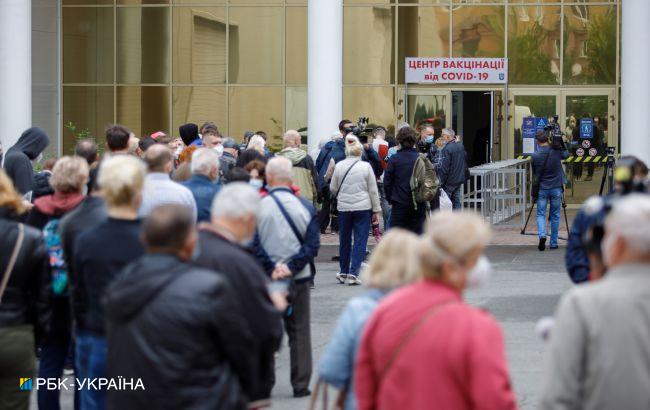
(203, 183)
(452, 168)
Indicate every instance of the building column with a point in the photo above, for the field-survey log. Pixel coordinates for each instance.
(15, 70)
(635, 82)
(325, 68)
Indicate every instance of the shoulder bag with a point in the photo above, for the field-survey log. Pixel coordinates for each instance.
(334, 203)
(12, 260)
(535, 186)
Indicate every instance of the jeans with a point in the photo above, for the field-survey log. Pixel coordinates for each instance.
(454, 195)
(90, 364)
(54, 353)
(385, 207)
(554, 196)
(351, 257)
(407, 217)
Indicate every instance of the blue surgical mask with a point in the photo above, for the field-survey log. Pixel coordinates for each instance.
(429, 139)
(256, 183)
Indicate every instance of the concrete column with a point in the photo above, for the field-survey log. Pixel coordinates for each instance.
(15, 70)
(635, 82)
(325, 71)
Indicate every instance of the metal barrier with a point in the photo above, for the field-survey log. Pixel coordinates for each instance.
(499, 191)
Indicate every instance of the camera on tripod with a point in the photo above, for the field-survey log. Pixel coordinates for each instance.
(554, 133)
(360, 130)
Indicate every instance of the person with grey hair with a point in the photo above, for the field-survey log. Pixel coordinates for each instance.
(222, 241)
(287, 242)
(305, 176)
(452, 167)
(228, 158)
(204, 183)
(599, 355)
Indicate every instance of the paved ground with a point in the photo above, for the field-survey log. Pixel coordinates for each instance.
(526, 286)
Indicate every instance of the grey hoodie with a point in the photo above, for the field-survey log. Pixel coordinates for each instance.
(18, 161)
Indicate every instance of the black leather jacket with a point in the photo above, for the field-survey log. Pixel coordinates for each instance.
(180, 330)
(27, 298)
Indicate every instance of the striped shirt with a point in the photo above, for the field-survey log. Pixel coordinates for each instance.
(159, 189)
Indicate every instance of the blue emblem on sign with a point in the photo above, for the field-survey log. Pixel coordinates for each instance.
(501, 76)
(586, 128)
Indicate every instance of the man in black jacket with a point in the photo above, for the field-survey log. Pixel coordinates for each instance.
(234, 220)
(18, 160)
(176, 328)
(452, 168)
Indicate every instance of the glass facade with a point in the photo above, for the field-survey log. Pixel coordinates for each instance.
(155, 64)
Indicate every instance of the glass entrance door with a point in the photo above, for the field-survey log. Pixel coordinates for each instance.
(425, 105)
(528, 103)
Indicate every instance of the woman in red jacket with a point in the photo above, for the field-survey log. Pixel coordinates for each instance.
(424, 347)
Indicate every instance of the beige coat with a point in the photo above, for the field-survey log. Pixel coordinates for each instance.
(599, 354)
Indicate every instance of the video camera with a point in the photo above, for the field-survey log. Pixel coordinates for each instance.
(361, 128)
(555, 133)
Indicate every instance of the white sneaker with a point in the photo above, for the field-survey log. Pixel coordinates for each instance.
(354, 280)
(341, 277)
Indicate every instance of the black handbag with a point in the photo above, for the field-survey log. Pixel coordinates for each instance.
(535, 186)
(334, 212)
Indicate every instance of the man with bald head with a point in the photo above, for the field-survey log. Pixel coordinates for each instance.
(159, 189)
(305, 176)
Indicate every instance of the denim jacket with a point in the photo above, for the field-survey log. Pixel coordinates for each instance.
(336, 367)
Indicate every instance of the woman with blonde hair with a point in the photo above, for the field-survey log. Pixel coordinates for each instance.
(25, 295)
(394, 262)
(424, 346)
(354, 187)
(258, 144)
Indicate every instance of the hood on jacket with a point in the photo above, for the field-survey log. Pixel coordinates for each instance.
(140, 283)
(58, 203)
(32, 142)
(189, 133)
(295, 155)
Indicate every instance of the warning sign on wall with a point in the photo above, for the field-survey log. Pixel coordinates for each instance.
(456, 70)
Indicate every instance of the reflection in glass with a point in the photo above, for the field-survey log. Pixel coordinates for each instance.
(438, 2)
(86, 2)
(534, 44)
(296, 108)
(430, 109)
(256, 45)
(143, 109)
(88, 108)
(423, 32)
(199, 50)
(296, 45)
(257, 108)
(140, 2)
(531, 106)
(368, 45)
(256, 1)
(589, 44)
(587, 106)
(87, 45)
(198, 105)
(143, 45)
(377, 103)
(478, 31)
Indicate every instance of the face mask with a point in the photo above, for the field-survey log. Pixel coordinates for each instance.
(256, 183)
(429, 139)
(84, 190)
(218, 149)
(178, 151)
(480, 274)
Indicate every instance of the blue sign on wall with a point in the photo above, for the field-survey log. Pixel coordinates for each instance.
(541, 123)
(529, 127)
(586, 128)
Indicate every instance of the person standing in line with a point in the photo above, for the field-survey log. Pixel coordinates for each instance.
(17, 161)
(423, 344)
(117, 139)
(176, 327)
(221, 244)
(190, 135)
(547, 167)
(99, 254)
(204, 183)
(26, 300)
(397, 182)
(287, 244)
(355, 188)
(452, 168)
(599, 356)
(380, 146)
(228, 159)
(159, 189)
(305, 176)
(394, 262)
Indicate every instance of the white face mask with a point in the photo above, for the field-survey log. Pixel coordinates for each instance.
(256, 183)
(178, 151)
(218, 149)
(480, 274)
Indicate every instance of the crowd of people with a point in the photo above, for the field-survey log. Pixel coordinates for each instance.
(177, 264)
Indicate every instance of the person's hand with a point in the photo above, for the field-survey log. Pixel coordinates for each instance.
(375, 218)
(28, 205)
(280, 272)
(279, 300)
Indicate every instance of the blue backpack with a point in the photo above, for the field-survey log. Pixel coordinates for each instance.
(58, 266)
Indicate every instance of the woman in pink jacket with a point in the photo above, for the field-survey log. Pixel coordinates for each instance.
(424, 347)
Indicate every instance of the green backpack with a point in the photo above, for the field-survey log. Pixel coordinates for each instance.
(424, 181)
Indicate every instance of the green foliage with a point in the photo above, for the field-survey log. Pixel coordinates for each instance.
(527, 63)
(83, 134)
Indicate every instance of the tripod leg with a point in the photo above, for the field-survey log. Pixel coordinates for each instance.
(602, 181)
(566, 218)
(523, 230)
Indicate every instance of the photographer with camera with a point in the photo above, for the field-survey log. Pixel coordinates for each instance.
(549, 174)
(583, 258)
